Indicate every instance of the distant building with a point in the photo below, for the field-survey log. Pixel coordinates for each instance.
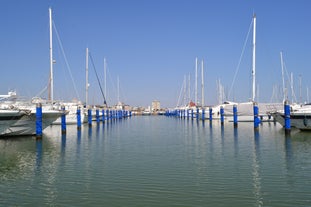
(155, 106)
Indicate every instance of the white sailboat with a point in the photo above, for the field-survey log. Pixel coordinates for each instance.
(300, 116)
(245, 109)
(26, 125)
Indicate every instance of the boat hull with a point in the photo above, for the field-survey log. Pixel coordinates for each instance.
(8, 118)
(27, 124)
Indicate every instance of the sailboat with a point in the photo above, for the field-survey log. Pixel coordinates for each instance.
(26, 125)
(245, 109)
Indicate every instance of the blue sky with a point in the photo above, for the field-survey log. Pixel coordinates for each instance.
(152, 45)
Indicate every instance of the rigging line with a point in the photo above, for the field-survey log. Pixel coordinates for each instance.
(98, 79)
(66, 61)
(240, 60)
(42, 91)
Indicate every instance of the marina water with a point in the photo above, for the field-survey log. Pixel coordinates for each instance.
(158, 161)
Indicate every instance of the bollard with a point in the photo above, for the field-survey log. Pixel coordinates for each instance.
(235, 115)
(103, 115)
(222, 118)
(89, 116)
(97, 115)
(38, 120)
(192, 114)
(79, 118)
(287, 117)
(210, 114)
(197, 115)
(63, 124)
(256, 117)
(107, 114)
(203, 114)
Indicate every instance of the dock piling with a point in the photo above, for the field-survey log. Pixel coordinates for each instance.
(235, 115)
(256, 116)
(79, 118)
(63, 118)
(287, 117)
(38, 120)
(89, 116)
(222, 118)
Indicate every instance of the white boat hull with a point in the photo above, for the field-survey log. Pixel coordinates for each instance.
(8, 118)
(27, 124)
(298, 120)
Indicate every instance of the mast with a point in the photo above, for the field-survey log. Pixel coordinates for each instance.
(292, 87)
(189, 98)
(87, 76)
(118, 82)
(283, 81)
(300, 90)
(254, 59)
(51, 88)
(196, 82)
(202, 84)
(105, 75)
(184, 91)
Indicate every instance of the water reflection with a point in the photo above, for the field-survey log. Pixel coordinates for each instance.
(89, 132)
(222, 135)
(256, 170)
(63, 145)
(236, 144)
(38, 154)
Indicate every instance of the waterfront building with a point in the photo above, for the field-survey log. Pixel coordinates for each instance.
(155, 106)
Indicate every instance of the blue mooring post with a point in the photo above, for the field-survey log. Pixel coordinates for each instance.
(287, 117)
(103, 115)
(203, 114)
(89, 116)
(256, 117)
(97, 115)
(107, 114)
(63, 120)
(198, 113)
(222, 118)
(235, 115)
(79, 118)
(39, 120)
(210, 114)
(192, 114)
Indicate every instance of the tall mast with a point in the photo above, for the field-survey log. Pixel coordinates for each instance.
(118, 82)
(196, 81)
(283, 81)
(87, 76)
(185, 90)
(51, 92)
(254, 58)
(292, 86)
(202, 83)
(189, 89)
(105, 74)
(300, 91)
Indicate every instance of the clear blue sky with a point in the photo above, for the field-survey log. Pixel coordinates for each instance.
(152, 45)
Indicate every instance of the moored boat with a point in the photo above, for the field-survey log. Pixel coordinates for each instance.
(8, 117)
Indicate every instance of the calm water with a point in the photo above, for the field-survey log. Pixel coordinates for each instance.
(158, 161)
